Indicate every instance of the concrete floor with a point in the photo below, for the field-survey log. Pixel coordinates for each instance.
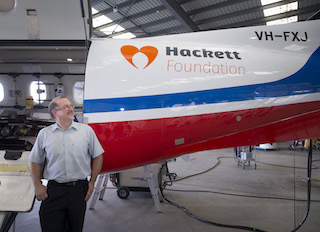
(259, 198)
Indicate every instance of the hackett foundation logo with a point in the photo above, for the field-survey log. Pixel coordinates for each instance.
(201, 60)
(129, 51)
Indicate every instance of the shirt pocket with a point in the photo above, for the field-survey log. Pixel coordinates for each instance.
(81, 145)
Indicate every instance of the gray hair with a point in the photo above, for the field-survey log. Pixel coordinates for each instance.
(53, 104)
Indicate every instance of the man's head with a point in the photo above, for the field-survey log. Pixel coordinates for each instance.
(60, 108)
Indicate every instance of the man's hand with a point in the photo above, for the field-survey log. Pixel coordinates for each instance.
(96, 168)
(39, 189)
(90, 191)
(41, 192)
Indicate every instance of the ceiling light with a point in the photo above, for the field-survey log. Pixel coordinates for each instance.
(284, 20)
(94, 11)
(280, 9)
(101, 20)
(69, 59)
(127, 35)
(267, 2)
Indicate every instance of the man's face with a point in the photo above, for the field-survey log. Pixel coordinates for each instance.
(64, 110)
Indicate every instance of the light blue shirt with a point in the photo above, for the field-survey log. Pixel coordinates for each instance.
(67, 152)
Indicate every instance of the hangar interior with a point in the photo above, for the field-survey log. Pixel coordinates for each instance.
(213, 193)
(218, 187)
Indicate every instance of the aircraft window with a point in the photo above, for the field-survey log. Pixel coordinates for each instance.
(38, 90)
(78, 92)
(1, 93)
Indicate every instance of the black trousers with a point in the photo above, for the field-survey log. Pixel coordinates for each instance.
(65, 207)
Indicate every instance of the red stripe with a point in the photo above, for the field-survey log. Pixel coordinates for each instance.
(134, 143)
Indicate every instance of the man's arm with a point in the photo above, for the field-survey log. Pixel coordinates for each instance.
(40, 190)
(96, 168)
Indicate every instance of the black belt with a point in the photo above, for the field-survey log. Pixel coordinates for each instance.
(71, 183)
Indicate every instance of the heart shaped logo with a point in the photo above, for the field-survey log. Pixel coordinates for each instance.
(129, 51)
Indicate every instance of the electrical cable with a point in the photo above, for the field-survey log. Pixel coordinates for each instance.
(285, 166)
(200, 218)
(294, 190)
(240, 195)
(210, 222)
(200, 173)
(309, 187)
(309, 168)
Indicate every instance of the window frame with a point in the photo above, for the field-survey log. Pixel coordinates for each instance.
(1, 92)
(75, 95)
(35, 95)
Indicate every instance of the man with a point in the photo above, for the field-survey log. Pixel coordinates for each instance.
(65, 150)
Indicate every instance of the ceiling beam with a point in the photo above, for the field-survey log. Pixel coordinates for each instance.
(167, 31)
(239, 13)
(181, 15)
(230, 3)
(315, 16)
(262, 21)
(110, 9)
(145, 26)
(216, 6)
(185, 1)
(132, 17)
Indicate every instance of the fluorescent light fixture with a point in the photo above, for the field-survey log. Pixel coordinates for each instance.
(284, 20)
(98, 21)
(128, 35)
(93, 11)
(267, 2)
(101, 20)
(281, 9)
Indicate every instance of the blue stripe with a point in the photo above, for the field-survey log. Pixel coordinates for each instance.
(306, 80)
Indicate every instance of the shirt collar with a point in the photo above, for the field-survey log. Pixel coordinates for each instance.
(73, 125)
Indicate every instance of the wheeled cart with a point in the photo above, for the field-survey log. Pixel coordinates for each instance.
(244, 155)
(135, 179)
(146, 178)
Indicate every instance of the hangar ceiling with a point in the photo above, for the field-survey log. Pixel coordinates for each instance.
(145, 18)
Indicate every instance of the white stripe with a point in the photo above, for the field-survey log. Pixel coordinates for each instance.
(192, 109)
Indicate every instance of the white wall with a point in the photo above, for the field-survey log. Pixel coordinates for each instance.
(55, 20)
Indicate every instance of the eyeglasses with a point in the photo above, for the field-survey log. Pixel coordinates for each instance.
(66, 107)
